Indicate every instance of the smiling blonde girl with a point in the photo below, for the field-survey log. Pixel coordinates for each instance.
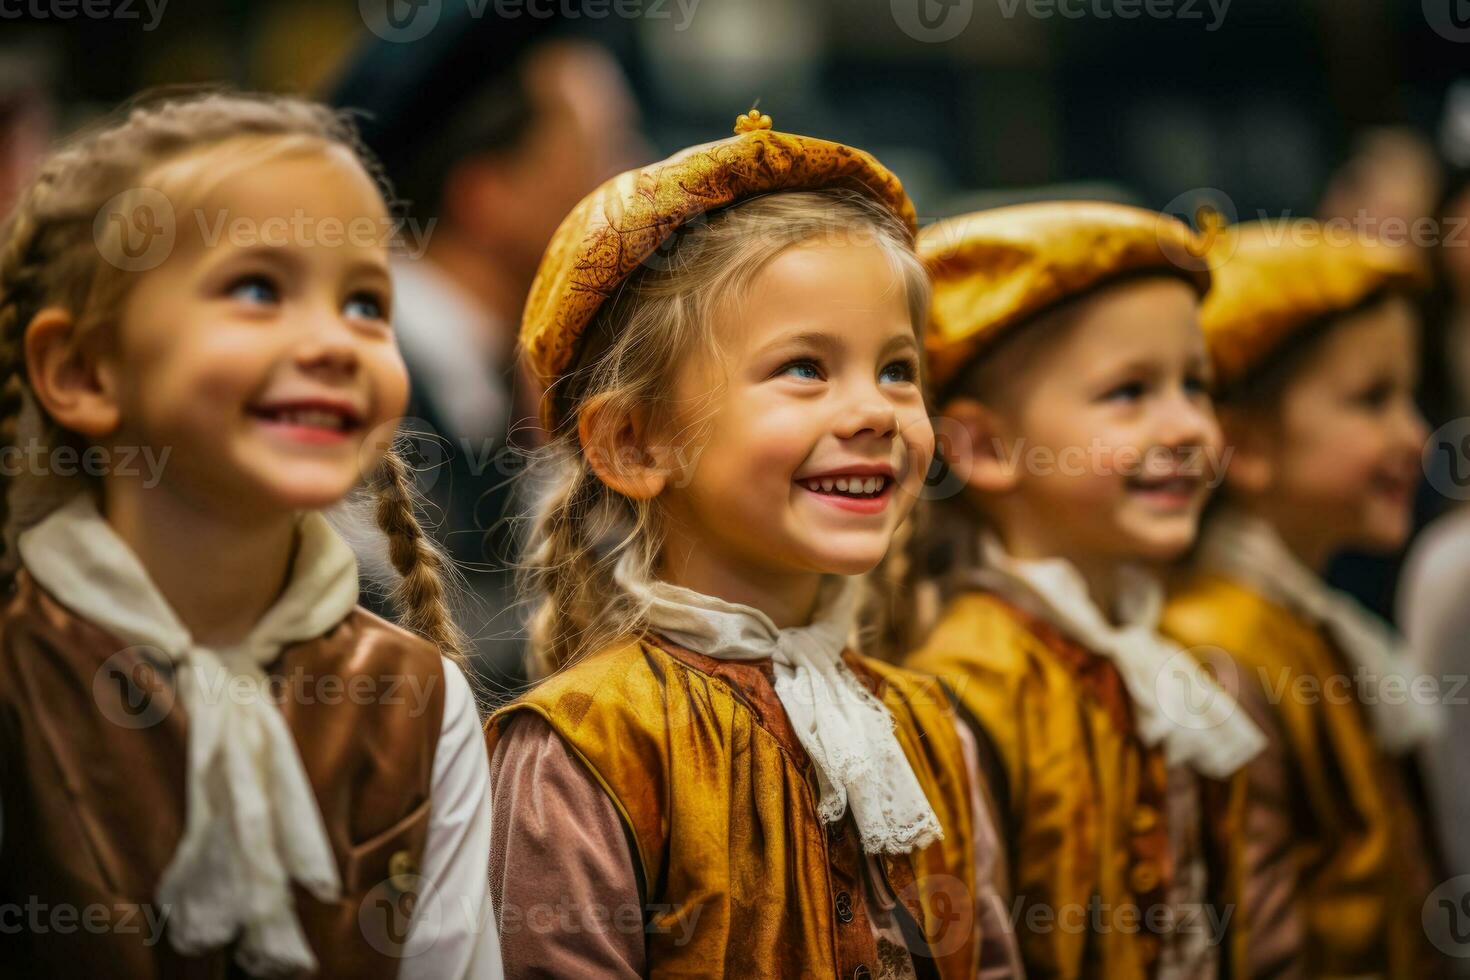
(712, 781)
(200, 730)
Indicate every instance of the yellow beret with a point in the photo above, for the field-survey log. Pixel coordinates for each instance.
(995, 269)
(1275, 278)
(623, 223)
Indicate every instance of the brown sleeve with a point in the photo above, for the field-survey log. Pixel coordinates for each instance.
(562, 880)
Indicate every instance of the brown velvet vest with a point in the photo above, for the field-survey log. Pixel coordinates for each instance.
(740, 876)
(92, 763)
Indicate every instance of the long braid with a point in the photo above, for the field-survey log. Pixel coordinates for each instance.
(18, 284)
(420, 596)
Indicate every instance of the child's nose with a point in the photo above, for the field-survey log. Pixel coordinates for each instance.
(1185, 423)
(869, 414)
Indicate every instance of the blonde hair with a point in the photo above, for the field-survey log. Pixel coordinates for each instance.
(50, 254)
(658, 320)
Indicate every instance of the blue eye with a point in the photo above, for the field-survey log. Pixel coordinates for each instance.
(807, 369)
(365, 306)
(255, 289)
(1130, 392)
(905, 370)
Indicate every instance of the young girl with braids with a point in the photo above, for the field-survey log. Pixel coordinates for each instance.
(209, 754)
(712, 781)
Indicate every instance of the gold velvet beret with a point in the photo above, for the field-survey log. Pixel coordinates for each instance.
(1275, 278)
(993, 270)
(624, 222)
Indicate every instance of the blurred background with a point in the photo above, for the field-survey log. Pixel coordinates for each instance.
(1263, 98)
(1286, 107)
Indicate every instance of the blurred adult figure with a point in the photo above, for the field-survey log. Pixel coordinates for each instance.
(491, 128)
(1436, 581)
(25, 119)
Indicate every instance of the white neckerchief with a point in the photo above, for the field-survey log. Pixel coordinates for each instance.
(1246, 548)
(1175, 702)
(252, 823)
(845, 729)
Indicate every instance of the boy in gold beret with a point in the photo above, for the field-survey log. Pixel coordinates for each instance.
(1315, 344)
(711, 781)
(1074, 379)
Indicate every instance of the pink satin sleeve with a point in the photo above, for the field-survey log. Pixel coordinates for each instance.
(562, 880)
(1000, 954)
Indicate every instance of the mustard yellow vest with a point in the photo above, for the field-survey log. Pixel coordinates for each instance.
(722, 810)
(1083, 799)
(1365, 873)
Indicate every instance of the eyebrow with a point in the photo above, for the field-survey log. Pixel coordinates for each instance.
(828, 342)
(287, 260)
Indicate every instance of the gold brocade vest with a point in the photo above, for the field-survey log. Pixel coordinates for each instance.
(1083, 800)
(93, 757)
(1365, 873)
(739, 875)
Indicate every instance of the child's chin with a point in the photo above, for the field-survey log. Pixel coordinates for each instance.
(1163, 542)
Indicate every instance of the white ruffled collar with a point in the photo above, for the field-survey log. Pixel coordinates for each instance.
(1248, 549)
(1175, 703)
(847, 732)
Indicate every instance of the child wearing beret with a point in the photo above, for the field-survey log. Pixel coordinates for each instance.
(1315, 345)
(711, 780)
(1073, 377)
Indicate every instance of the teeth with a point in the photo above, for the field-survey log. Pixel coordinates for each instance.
(848, 485)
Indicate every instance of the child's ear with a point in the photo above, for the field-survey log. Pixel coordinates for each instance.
(68, 375)
(615, 445)
(985, 464)
(1251, 441)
